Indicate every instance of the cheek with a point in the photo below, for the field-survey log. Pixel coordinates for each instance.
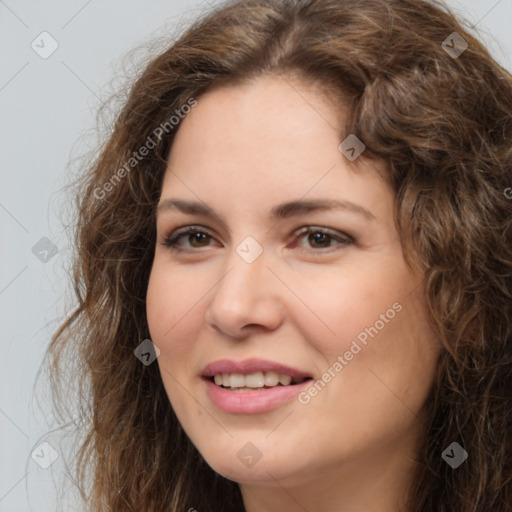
(174, 311)
(388, 352)
(343, 304)
(375, 318)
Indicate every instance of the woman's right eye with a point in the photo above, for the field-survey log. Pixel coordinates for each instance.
(194, 235)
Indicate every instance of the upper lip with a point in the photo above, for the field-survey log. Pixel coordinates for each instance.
(251, 366)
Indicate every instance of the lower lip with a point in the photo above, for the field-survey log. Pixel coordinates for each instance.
(252, 402)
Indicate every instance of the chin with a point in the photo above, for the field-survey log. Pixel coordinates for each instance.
(245, 465)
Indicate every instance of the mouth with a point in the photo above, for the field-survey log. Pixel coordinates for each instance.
(253, 385)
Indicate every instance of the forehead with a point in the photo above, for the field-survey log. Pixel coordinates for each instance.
(266, 116)
(271, 137)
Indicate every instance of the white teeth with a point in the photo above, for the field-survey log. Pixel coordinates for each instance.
(237, 380)
(252, 380)
(271, 379)
(285, 380)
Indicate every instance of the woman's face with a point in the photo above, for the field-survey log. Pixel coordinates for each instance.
(251, 295)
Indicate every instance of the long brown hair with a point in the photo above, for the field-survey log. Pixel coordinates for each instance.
(437, 113)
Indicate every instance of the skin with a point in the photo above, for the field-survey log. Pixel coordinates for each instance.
(242, 150)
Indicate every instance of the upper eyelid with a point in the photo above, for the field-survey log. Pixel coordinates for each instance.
(192, 228)
(184, 229)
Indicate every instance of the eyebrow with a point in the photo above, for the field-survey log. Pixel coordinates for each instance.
(278, 212)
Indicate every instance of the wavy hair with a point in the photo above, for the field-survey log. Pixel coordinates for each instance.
(442, 125)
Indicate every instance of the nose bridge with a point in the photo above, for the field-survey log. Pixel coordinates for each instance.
(244, 295)
(244, 278)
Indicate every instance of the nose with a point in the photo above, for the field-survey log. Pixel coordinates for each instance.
(246, 299)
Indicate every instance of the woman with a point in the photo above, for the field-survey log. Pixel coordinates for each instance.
(293, 269)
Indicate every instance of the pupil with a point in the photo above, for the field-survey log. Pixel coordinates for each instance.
(198, 237)
(319, 238)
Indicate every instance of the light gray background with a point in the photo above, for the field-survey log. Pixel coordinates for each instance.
(46, 108)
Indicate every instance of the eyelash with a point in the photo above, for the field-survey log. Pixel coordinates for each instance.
(343, 239)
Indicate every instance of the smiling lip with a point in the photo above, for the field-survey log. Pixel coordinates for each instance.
(251, 402)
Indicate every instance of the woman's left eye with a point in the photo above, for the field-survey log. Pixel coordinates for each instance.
(323, 238)
(316, 237)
